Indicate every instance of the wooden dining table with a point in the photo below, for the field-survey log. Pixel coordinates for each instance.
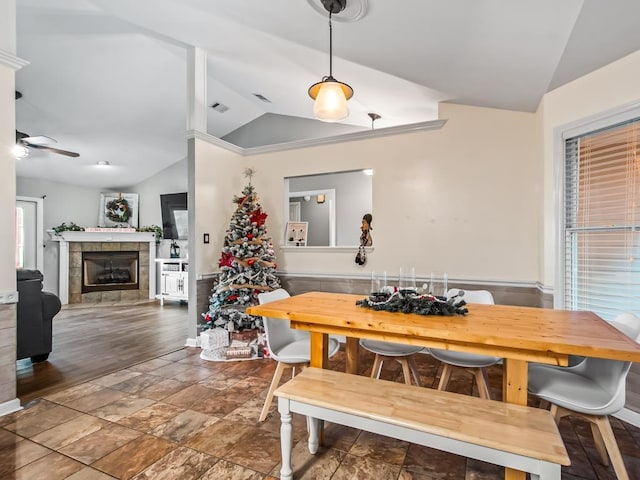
(518, 334)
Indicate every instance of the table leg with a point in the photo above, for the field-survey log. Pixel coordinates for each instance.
(352, 350)
(515, 376)
(319, 349)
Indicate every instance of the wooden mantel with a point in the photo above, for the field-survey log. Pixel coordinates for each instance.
(71, 236)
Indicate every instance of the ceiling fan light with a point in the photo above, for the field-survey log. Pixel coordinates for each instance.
(20, 151)
(331, 101)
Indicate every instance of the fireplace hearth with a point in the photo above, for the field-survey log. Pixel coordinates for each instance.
(107, 271)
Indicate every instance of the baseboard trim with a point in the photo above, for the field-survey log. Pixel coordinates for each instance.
(192, 342)
(9, 407)
(628, 416)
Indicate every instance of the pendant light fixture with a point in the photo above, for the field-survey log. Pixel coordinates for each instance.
(329, 94)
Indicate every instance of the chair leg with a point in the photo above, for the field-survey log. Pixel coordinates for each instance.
(558, 413)
(444, 377)
(599, 442)
(480, 375)
(606, 435)
(414, 369)
(406, 372)
(612, 446)
(277, 375)
(377, 367)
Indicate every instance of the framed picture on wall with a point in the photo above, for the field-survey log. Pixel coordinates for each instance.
(296, 234)
(118, 210)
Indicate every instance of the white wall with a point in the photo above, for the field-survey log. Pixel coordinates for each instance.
(610, 87)
(63, 203)
(80, 205)
(462, 200)
(173, 179)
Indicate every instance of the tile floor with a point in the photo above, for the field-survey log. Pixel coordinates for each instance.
(179, 417)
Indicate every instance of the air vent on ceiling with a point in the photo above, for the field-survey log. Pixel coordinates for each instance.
(262, 97)
(219, 107)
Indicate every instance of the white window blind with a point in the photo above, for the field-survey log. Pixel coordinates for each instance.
(602, 254)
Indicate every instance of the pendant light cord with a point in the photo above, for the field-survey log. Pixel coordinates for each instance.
(330, 47)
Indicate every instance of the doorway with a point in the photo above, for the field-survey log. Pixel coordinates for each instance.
(29, 233)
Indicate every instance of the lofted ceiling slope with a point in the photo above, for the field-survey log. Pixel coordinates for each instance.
(107, 78)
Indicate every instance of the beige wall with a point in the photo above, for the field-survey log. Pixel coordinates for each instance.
(451, 200)
(7, 234)
(218, 177)
(608, 88)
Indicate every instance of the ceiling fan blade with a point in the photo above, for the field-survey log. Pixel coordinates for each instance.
(38, 140)
(55, 150)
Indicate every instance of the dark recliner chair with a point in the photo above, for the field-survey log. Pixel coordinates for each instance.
(36, 310)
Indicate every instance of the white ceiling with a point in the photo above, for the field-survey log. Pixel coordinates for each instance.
(107, 78)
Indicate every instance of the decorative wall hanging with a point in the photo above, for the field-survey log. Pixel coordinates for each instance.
(118, 210)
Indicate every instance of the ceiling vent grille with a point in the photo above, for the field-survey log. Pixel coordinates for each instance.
(262, 97)
(219, 107)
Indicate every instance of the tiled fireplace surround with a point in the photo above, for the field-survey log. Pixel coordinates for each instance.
(71, 246)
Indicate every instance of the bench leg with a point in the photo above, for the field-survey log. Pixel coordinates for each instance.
(314, 437)
(286, 439)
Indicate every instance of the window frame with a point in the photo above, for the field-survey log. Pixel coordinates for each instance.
(563, 133)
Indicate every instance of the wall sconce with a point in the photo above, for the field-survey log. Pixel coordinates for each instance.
(321, 198)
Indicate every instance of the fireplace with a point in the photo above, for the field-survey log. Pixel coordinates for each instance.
(109, 270)
(72, 246)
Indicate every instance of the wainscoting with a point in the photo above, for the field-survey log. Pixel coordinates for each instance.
(503, 294)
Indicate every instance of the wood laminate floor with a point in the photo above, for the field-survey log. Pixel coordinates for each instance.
(91, 341)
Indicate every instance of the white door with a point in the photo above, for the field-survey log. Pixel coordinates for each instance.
(29, 233)
(294, 211)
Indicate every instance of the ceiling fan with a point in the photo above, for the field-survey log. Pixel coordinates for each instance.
(39, 142)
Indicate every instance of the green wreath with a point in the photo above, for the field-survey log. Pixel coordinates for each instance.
(118, 210)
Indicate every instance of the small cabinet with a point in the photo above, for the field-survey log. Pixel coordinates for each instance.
(174, 279)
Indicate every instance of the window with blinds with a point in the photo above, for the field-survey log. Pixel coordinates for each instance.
(602, 185)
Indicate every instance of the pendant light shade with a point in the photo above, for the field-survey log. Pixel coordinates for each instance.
(330, 100)
(330, 95)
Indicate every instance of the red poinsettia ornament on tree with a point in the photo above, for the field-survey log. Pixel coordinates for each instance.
(226, 259)
(258, 217)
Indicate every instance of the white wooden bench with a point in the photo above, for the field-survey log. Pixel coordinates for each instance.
(519, 437)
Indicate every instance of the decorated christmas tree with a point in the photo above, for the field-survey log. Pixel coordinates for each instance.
(246, 263)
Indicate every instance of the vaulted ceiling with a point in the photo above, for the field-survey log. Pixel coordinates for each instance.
(107, 78)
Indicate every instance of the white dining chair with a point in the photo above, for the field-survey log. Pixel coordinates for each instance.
(593, 389)
(290, 348)
(397, 352)
(475, 363)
